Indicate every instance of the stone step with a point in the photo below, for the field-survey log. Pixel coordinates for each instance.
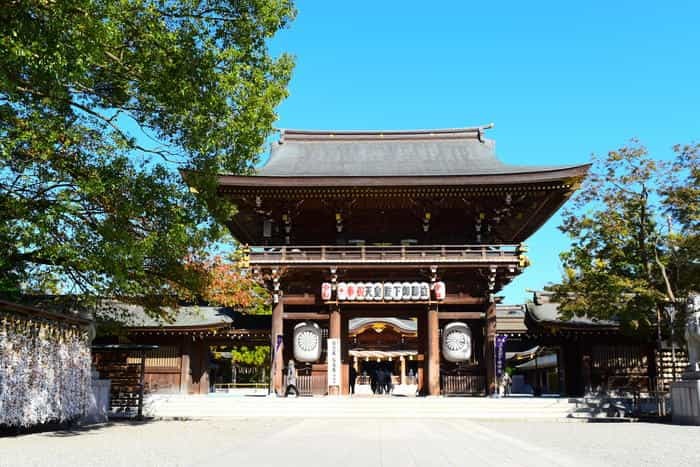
(347, 407)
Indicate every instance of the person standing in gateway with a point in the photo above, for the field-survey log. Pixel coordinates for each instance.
(291, 380)
(353, 377)
(507, 381)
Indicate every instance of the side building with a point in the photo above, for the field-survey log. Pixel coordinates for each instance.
(578, 356)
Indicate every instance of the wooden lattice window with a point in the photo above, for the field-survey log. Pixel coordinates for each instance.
(163, 357)
(619, 359)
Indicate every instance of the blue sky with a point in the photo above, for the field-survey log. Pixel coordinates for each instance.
(559, 80)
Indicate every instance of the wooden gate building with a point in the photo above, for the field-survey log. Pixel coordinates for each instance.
(421, 225)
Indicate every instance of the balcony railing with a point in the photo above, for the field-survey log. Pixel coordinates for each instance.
(354, 254)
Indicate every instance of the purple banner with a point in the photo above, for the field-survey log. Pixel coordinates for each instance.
(279, 343)
(500, 355)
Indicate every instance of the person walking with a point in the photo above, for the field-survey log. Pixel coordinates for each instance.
(353, 377)
(291, 380)
(380, 380)
(388, 385)
(507, 381)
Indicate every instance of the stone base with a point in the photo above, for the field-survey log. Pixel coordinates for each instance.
(685, 397)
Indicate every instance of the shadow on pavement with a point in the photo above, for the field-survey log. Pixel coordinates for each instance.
(71, 429)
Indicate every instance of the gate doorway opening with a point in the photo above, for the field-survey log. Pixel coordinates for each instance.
(384, 356)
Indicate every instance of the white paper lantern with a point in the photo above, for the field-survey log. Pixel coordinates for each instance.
(457, 342)
(378, 290)
(406, 290)
(342, 291)
(307, 342)
(368, 291)
(398, 291)
(424, 291)
(360, 291)
(415, 290)
(388, 291)
(326, 291)
(352, 291)
(439, 290)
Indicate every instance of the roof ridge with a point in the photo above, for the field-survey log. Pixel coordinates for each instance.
(379, 135)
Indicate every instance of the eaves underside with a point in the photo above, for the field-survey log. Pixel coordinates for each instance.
(223, 328)
(568, 175)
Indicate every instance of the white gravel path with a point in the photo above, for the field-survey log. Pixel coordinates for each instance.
(352, 442)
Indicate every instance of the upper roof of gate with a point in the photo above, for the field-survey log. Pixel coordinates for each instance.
(439, 152)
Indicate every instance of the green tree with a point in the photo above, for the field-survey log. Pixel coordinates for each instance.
(102, 102)
(258, 355)
(680, 192)
(633, 227)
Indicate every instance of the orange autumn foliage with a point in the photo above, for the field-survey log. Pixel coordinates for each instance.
(224, 284)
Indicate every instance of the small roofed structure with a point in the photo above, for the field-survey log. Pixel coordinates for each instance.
(194, 320)
(182, 362)
(544, 313)
(591, 355)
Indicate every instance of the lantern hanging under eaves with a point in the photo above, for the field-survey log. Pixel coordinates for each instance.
(342, 291)
(352, 291)
(439, 290)
(307, 342)
(326, 291)
(378, 293)
(457, 342)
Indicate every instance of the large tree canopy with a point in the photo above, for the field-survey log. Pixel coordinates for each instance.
(634, 227)
(101, 103)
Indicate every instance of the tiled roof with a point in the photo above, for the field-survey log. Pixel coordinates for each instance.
(445, 152)
(542, 310)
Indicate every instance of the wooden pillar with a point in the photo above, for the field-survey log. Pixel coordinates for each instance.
(561, 369)
(277, 329)
(334, 333)
(489, 348)
(142, 384)
(185, 365)
(433, 353)
(421, 374)
(403, 370)
(204, 367)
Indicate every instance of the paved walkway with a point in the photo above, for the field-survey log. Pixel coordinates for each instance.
(352, 442)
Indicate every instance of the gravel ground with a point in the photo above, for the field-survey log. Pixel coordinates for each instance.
(340, 442)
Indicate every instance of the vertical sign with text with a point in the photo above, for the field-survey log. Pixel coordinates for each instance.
(333, 362)
(500, 354)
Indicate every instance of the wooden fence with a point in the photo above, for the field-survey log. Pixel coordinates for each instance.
(463, 385)
(311, 385)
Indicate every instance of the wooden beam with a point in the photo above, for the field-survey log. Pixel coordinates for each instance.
(462, 299)
(303, 316)
(386, 265)
(460, 315)
(300, 299)
(531, 219)
(384, 312)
